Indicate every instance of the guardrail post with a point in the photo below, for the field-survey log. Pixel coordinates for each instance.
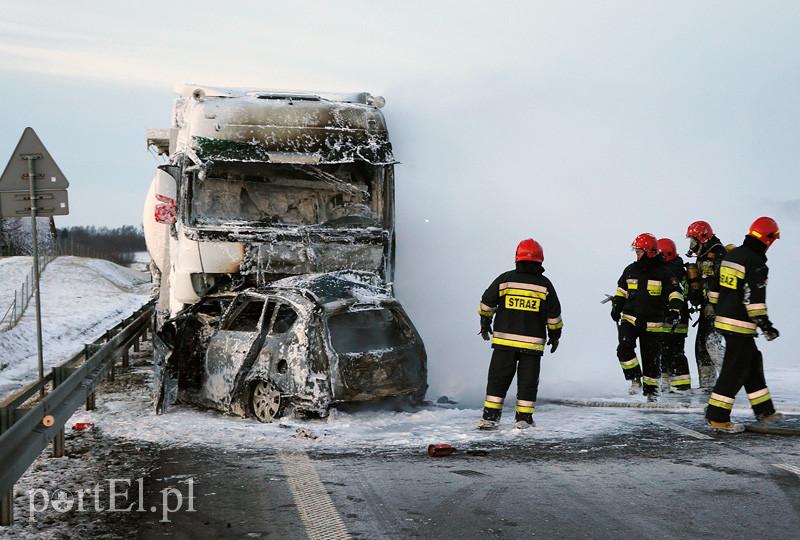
(136, 343)
(125, 359)
(7, 499)
(58, 440)
(7, 508)
(90, 404)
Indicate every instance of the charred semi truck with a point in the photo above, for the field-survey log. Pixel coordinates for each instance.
(275, 206)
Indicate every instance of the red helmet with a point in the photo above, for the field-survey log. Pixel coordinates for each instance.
(530, 250)
(700, 230)
(646, 242)
(667, 249)
(765, 229)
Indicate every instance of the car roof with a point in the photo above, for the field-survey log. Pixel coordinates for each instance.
(335, 288)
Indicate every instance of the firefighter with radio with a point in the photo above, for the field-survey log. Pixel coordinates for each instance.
(740, 295)
(709, 347)
(647, 299)
(527, 316)
(674, 364)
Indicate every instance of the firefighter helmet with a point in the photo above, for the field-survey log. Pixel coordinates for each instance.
(667, 249)
(764, 229)
(530, 250)
(700, 230)
(647, 243)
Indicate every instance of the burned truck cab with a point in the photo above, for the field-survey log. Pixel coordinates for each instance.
(261, 185)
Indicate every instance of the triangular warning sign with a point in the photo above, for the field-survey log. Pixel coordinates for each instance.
(47, 173)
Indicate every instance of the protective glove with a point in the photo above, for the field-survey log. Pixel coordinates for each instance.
(673, 318)
(553, 342)
(615, 312)
(769, 331)
(486, 327)
(708, 311)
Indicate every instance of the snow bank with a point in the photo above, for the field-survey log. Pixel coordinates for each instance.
(81, 298)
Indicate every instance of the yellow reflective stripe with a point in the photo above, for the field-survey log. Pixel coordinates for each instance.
(518, 344)
(629, 364)
(651, 381)
(555, 326)
(762, 399)
(621, 292)
(758, 393)
(630, 318)
(485, 313)
(519, 337)
(734, 328)
(633, 286)
(525, 409)
(524, 286)
(713, 294)
(680, 380)
(720, 404)
(676, 296)
(756, 310)
(485, 307)
(492, 405)
(713, 299)
(523, 292)
(724, 399)
(657, 327)
(735, 269)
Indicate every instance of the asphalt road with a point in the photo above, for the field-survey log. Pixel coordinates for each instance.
(668, 479)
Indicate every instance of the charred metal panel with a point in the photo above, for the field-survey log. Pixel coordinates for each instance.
(282, 258)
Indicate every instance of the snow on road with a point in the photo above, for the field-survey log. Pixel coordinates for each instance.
(81, 299)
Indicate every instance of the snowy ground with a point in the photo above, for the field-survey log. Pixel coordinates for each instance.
(81, 298)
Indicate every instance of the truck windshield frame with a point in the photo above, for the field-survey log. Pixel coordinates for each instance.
(267, 195)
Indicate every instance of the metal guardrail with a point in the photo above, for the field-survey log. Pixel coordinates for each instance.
(26, 432)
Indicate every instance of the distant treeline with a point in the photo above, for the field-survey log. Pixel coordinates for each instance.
(117, 245)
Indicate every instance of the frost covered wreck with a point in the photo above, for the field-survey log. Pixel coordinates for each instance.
(274, 216)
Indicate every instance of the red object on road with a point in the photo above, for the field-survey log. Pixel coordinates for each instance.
(440, 450)
(80, 426)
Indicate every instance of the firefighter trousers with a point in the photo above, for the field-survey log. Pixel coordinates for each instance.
(506, 362)
(709, 351)
(743, 366)
(649, 370)
(673, 360)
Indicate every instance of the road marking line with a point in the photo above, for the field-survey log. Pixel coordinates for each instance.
(786, 467)
(684, 430)
(317, 511)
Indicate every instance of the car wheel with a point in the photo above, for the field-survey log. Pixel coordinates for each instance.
(265, 401)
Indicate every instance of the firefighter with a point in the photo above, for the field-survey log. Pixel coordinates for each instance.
(708, 345)
(674, 365)
(526, 310)
(740, 294)
(647, 296)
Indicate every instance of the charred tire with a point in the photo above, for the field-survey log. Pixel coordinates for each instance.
(265, 401)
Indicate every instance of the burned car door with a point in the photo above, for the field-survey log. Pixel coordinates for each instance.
(282, 353)
(231, 348)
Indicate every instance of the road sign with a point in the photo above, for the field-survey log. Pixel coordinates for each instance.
(47, 175)
(48, 203)
(32, 184)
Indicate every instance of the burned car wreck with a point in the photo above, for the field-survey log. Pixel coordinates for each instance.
(298, 345)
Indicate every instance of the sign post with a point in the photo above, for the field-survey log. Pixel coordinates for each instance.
(45, 195)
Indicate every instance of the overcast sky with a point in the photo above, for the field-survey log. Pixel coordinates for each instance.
(580, 124)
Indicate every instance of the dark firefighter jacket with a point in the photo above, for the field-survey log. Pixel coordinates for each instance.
(523, 303)
(740, 291)
(645, 288)
(708, 266)
(678, 270)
